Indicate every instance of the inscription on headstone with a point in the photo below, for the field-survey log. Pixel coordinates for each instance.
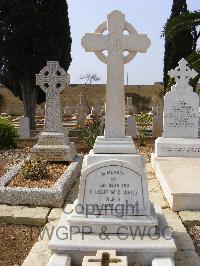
(181, 106)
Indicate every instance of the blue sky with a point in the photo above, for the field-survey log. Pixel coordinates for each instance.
(147, 16)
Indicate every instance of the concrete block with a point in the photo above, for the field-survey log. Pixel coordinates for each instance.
(163, 262)
(59, 260)
(23, 215)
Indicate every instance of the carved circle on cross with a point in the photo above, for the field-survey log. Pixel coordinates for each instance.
(52, 79)
(117, 44)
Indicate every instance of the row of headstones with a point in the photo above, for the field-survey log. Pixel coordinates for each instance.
(131, 130)
(156, 127)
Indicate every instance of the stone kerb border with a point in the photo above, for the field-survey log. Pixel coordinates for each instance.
(45, 197)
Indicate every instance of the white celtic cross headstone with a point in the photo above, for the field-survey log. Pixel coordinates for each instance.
(116, 43)
(52, 79)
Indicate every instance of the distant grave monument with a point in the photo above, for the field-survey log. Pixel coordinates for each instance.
(131, 129)
(157, 126)
(130, 108)
(53, 144)
(24, 128)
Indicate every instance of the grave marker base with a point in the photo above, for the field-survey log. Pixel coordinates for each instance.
(143, 249)
(53, 146)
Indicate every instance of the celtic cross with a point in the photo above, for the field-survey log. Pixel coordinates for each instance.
(115, 42)
(182, 73)
(52, 79)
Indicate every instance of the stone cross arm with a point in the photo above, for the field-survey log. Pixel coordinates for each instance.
(95, 42)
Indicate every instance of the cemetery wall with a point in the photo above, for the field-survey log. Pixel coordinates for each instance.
(70, 96)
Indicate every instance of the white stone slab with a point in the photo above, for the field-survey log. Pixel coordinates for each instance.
(163, 262)
(111, 257)
(24, 128)
(131, 127)
(180, 181)
(143, 249)
(59, 260)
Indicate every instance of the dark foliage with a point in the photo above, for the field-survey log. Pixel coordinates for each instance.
(31, 33)
(179, 45)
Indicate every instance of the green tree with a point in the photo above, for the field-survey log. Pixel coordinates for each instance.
(178, 45)
(31, 33)
(189, 21)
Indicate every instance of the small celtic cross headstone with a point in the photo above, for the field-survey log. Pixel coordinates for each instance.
(52, 79)
(182, 73)
(116, 43)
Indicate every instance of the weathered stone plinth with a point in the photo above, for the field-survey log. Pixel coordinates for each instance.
(53, 146)
(177, 147)
(105, 257)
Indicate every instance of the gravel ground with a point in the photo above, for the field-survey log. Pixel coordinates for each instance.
(194, 232)
(16, 242)
(9, 158)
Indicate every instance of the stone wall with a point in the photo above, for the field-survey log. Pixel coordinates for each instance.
(9, 103)
(70, 96)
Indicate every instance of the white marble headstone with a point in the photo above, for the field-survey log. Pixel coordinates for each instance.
(181, 116)
(181, 107)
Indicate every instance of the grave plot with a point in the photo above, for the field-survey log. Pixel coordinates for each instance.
(113, 174)
(53, 162)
